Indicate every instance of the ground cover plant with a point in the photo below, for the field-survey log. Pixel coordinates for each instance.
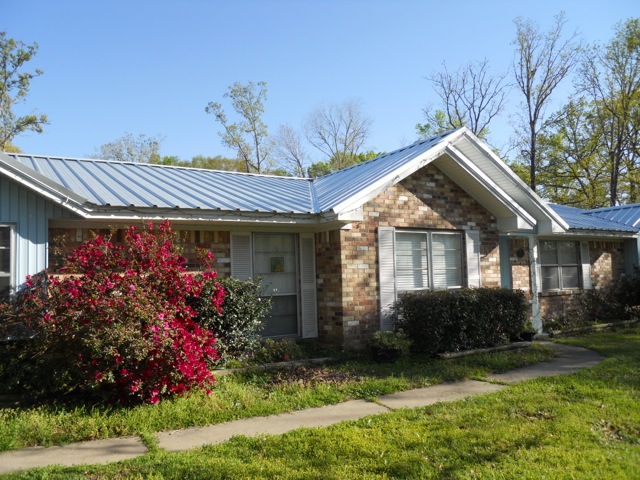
(584, 425)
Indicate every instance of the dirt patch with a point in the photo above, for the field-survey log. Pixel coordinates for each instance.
(309, 376)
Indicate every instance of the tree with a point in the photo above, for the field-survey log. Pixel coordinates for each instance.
(318, 169)
(470, 97)
(338, 131)
(574, 172)
(249, 137)
(542, 61)
(14, 87)
(610, 78)
(140, 149)
(290, 151)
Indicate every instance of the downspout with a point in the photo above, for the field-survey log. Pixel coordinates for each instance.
(536, 319)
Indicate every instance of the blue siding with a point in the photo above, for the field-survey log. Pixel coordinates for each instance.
(30, 214)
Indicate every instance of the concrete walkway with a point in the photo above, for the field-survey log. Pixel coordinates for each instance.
(568, 360)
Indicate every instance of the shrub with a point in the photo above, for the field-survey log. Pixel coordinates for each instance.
(388, 346)
(117, 324)
(279, 350)
(454, 320)
(238, 325)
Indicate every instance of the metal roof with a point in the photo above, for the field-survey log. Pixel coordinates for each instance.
(337, 187)
(125, 185)
(121, 184)
(628, 215)
(579, 219)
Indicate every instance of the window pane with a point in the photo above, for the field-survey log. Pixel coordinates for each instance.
(5, 261)
(548, 253)
(567, 253)
(550, 278)
(5, 287)
(284, 317)
(5, 237)
(411, 261)
(570, 277)
(447, 260)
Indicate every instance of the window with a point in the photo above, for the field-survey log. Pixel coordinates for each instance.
(428, 260)
(6, 261)
(559, 265)
(275, 260)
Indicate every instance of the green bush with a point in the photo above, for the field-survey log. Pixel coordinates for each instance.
(388, 347)
(454, 320)
(239, 323)
(278, 350)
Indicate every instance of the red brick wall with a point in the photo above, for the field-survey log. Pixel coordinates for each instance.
(347, 260)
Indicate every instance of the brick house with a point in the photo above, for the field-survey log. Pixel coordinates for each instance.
(335, 251)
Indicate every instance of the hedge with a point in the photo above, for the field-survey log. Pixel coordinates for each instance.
(455, 320)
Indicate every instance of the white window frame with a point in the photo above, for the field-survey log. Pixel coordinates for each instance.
(429, 266)
(12, 257)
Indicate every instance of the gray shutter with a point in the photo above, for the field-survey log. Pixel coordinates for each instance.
(241, 253)
(586, 266)
(308, 302)
(387, 272)
(473, 258)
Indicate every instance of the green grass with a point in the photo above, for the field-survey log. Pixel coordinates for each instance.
(245, 395)
(585, 425)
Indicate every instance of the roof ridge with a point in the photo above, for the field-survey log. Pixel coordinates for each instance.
(148, 165)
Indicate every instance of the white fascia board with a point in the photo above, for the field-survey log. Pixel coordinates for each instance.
(500, 165)
(492, 187)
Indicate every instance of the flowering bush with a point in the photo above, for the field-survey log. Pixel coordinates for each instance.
(118, 321)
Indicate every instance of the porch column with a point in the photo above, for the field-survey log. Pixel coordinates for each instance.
(534, 272)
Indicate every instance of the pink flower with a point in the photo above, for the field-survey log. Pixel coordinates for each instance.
(132, 287)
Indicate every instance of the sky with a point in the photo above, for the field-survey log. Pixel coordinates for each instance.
(150, 67)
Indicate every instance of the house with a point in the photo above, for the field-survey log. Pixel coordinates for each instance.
(335, 251)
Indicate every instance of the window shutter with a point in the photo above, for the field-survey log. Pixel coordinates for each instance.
(473, 258)
(241, 264)
(387, 273)
(586, 266)
(308, 288)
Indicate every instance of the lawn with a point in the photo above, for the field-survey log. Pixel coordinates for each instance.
(585, 425)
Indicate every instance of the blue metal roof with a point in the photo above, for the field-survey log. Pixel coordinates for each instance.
(628, 215)
(121, 184)
(580, 219)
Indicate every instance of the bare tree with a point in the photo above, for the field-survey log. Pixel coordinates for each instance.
(338, 131)
(542, 61)
(249, 137)
(289, 150)
(471, 96)
(128, 148)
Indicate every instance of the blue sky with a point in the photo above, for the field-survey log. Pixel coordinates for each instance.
(151, 66)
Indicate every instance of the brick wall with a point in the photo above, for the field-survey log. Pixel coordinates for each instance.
(64, 240)
(347, 260)
(607, 264)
